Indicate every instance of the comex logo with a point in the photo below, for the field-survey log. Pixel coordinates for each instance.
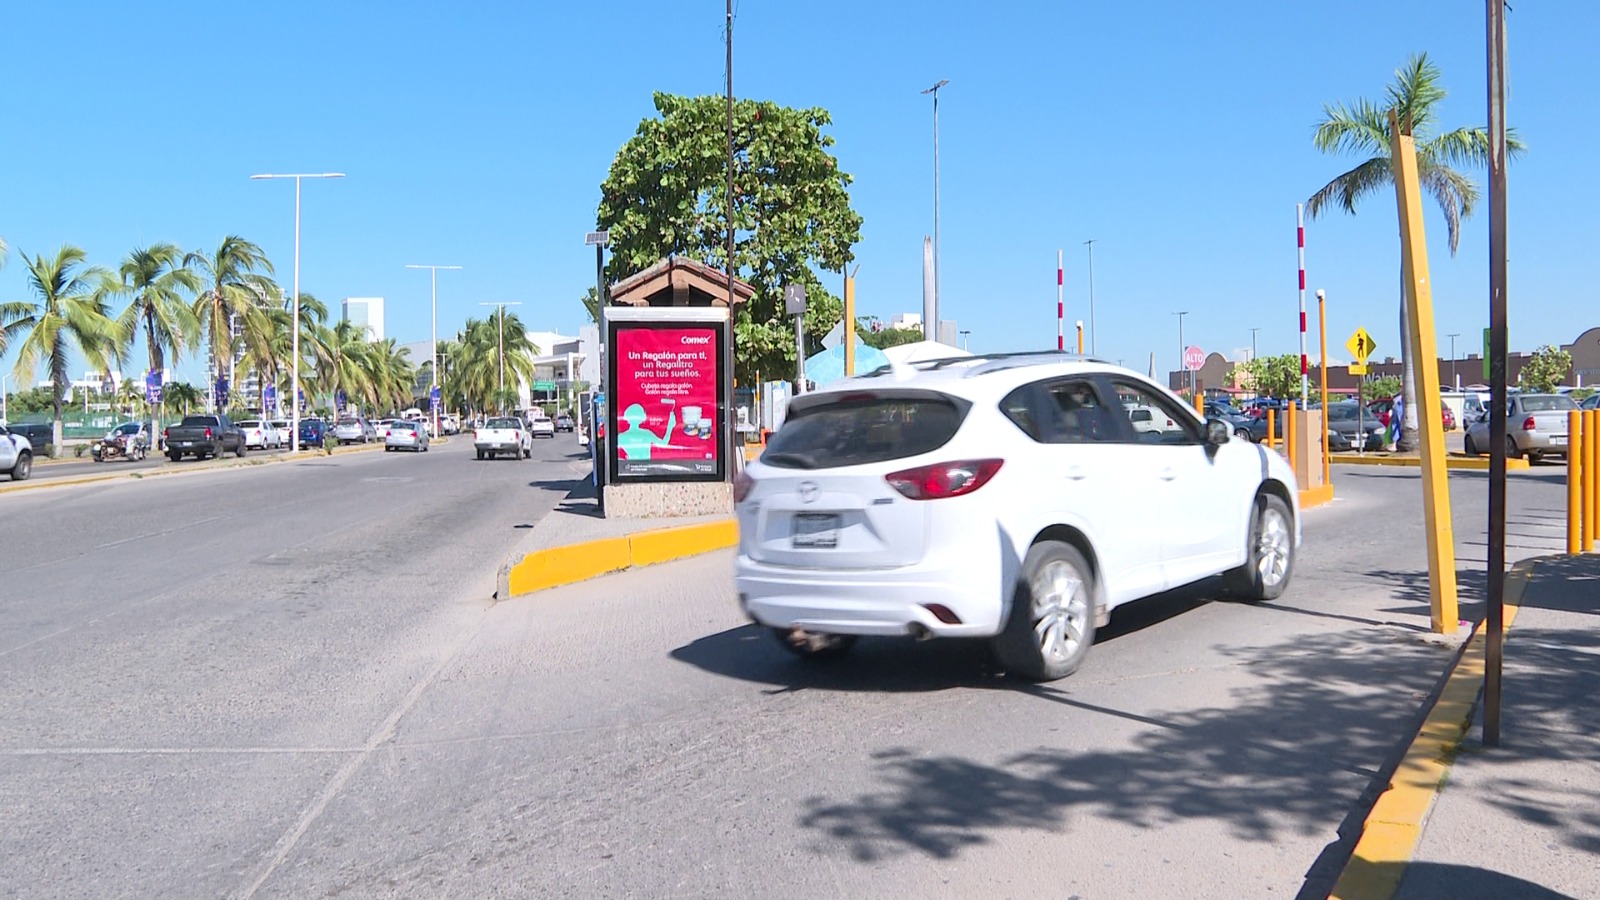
(696, 339)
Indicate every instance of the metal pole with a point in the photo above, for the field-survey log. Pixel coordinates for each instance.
(936, 306)
(1300, 240)
(433, 351)
(1455, 377)
(1061, 307)
(1181, 365)
(294, 421)
(1090, 244)
(1253, 342)
(799, 355)
(1497, 371)
(1322, 371)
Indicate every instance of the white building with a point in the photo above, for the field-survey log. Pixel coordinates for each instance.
(367, 313)
(907, 320)
(558, 364)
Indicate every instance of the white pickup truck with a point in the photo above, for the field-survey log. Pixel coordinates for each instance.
(503, 435)
(16, 455)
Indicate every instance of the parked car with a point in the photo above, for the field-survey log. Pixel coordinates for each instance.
(380, 429)
(1235, 417)
(260, 434)
(284, 429)
(1536, 427)
(564, 423)
(1591, 402)
(16, 454)
(503, 435)
(40, 435)
(1448, 417)
(404, 435)
(313, 432)
(204, 436)
(354, 430)
(542, 426)
(1346, 421)
(1008, 498)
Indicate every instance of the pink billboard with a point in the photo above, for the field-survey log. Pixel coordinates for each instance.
(665, 417)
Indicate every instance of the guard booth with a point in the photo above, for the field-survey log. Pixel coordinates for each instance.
(670, 431)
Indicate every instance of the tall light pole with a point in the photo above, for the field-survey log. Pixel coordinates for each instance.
(964, 333)
(433, 351)
(1253, 342)
(3, 377)
(1180, 316)
(935, 92)
(294, 304)
(1455, 377)
(1090, 244)
(501, 351)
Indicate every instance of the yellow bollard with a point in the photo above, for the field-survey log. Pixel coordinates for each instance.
(1272, 428)
(1200, 404)
(1591, 468)
(1577, 490)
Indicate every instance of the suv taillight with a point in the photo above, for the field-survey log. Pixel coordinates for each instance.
(941, 480)
(208, 433)
(1528, 424)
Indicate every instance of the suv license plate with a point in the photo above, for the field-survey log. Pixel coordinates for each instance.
(816, 531)
(1558, 440)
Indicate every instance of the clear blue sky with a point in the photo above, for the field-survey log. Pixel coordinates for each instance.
(1177, 134)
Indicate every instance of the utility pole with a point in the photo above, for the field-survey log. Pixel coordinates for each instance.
(500, 350)
(433, 352)
(1090, 244)
(1253, 342)
(1181, 366)
(936, 307)
(1455, 377)
(1497, 372)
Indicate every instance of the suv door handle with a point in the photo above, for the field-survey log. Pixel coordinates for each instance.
(1076, 473)
(1169, 473)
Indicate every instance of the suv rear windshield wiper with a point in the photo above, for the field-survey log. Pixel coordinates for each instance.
(794, 459)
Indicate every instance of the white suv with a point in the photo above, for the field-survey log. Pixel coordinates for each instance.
(1008, 497)
(16, 455)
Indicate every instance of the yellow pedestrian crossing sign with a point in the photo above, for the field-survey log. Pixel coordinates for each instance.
(1361, 346)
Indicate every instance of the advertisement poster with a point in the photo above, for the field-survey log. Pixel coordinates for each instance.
(665, 419)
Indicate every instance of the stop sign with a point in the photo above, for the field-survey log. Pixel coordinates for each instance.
(1193, 358)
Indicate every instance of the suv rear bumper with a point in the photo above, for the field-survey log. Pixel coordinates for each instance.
(889, 602)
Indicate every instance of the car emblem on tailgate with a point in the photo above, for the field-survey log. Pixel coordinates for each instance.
(809, 491)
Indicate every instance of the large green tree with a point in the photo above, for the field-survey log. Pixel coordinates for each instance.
(1269, 376)
(1362, 129)
(667, 194)
(235, 280)
(68, 315)
(1545, 369)
(158, 283)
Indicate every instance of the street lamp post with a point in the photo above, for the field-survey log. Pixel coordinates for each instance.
(1253, 342)
(1180, 316)
(1455, 376)
(935, 92)
(294, 304)
(1090, 244)
(433, 351)
(501, 350)
(964, 333)
(3, 377)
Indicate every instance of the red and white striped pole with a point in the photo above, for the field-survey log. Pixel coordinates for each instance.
(1300, 239)
(1061, 308)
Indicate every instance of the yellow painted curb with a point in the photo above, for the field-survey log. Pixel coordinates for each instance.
(1316, 496)
(1392, 829)
(557, 566)
(1479, 463)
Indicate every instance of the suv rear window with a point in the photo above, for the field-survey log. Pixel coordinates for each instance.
(858, 429)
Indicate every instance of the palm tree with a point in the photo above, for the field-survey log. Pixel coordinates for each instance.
(234, 277)
(483, 360)
(157, 278)
(183, 394)
(70, 314)
(340, 354)
(388, 374)
(1363, 129)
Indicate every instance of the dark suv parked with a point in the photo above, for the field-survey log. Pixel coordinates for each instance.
(39, 434)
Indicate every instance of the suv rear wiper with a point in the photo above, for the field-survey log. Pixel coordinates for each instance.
(798, 459)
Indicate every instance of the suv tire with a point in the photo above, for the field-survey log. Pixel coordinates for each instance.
(1051, 624)
(1269, 553)
(23, 467)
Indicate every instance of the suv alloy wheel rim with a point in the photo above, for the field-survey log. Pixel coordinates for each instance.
(1060, 608)
(1272, 548)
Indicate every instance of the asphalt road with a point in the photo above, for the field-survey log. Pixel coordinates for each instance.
(298, 688)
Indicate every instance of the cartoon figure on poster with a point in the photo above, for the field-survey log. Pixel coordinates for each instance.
(666, 398)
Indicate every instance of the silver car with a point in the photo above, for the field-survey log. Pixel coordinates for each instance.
(406, 435)
(1536, 427)
(354, 429)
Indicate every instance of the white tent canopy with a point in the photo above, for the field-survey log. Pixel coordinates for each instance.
(922, 351)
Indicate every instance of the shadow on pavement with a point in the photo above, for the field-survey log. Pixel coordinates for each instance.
(1428, 879)
(1411, 587)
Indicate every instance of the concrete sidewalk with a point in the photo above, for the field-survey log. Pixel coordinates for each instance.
(1522, 821)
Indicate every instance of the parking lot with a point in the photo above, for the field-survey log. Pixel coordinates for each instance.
(291, 680)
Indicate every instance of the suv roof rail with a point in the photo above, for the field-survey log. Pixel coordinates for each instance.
(991, 362)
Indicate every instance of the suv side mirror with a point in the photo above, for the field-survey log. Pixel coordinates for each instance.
(1217, 432)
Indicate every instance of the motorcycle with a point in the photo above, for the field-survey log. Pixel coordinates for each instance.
(118, 446)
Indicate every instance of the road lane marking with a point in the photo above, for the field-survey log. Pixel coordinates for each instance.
(384, 734)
